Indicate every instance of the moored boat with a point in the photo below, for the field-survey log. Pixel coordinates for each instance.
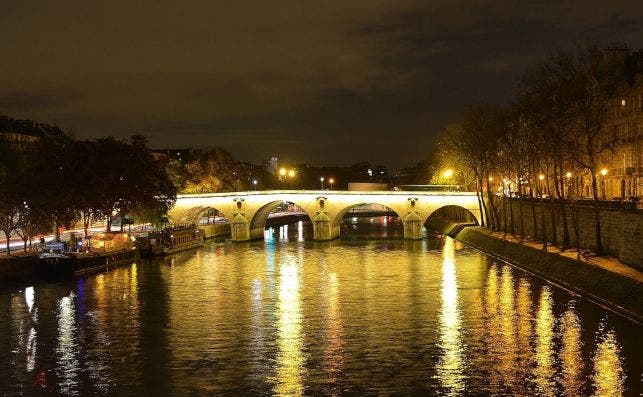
(173, 239)
(106, 250)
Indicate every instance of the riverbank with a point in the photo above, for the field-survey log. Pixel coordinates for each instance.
(615, 289)
(18, 266)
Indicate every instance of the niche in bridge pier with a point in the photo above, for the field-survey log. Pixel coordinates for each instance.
(412, 221)
(240, 230)
(322, 230)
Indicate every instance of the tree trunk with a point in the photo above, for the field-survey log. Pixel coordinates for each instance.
(8, 247)
(520, 214)
(484, 205)
(597, 217)
(504, 212)
(560, 193)
(511, 213)
(495, 225)
(552, 210)
(108, 227)
(480, 205)
(533, 212)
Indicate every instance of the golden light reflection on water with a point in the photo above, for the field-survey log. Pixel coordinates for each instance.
(289, 358)
(570, 355)
(334, 354)
(608, 367)
(69, 366)
(450, 365)
(287, 319)
(544, 354)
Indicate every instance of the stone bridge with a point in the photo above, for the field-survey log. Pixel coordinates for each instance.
(248, 211)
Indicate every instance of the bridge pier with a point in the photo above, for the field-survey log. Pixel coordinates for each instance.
(412, 227)
(240, 228)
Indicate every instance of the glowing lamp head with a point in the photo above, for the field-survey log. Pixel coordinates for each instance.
(291, 173)
(331, 180)
(490, 179)
(568, 174)
(541, 177)
(282, 172)
(604, 171)
(448, 173)
(321, 179)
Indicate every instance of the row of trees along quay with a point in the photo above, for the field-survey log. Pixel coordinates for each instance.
(62, 181)
(541, 145)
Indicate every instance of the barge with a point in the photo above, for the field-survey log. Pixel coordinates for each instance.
(106, 250)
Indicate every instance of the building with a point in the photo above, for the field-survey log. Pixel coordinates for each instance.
(23, 136)
(621, 170)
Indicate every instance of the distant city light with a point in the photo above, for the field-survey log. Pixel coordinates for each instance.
(604, 171)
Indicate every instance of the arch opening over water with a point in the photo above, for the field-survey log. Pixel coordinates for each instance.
(369, 220)
(276, 213)
(440, 219)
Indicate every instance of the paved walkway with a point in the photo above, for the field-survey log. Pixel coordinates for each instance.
(606, 262)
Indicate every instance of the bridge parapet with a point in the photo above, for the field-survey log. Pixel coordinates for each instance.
(248, 211)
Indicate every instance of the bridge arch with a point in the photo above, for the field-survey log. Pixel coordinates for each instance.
(363, 210)
(260, 217)
(440, 219)
(194, 214)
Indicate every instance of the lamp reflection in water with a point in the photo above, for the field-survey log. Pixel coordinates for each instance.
(68, 365)
(31, 337)
(544, 354)
(334, 351)
(450, 366)
(289, 340)
(608, 368)
(570, 353)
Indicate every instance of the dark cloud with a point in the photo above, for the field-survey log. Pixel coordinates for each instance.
(326, 82)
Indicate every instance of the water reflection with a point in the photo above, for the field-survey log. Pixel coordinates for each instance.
(287, 317)
(450, 365)
(289, 359)
(570, 355)
(67, 349)
(544, 354)
(608, 368)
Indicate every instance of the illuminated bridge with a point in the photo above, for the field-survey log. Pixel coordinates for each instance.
(247, 212)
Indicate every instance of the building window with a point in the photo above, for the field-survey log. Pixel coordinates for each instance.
(622, 103)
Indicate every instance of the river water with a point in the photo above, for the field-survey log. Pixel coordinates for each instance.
(369, 314)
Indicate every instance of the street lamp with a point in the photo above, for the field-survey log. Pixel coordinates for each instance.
(448, 173)
(603, 173)
(322, 182)
(330, 182)
(291, 174)
(541, 177)
(254, 183)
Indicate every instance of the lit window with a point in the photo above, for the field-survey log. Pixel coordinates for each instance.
(622, 102)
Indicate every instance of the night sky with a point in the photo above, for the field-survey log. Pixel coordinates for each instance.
(324, 82)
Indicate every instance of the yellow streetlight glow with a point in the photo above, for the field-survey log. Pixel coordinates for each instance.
(448, 173)
(541, 177)
(490, 179)
(604, 171)
(568, 174)
(282, 172)
(291, 173)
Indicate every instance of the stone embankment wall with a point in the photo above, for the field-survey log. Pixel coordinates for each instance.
(17, 267)
(621, 230)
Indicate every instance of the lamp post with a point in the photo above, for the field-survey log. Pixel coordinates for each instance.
(448, 173)
(603, 173)
(291, 174)
(541, 177)
(322, 182)
(330, 182)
